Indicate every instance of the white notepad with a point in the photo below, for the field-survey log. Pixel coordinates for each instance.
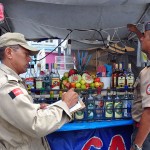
(78, 106)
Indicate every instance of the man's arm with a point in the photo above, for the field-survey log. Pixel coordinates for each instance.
(144, 128)
(134, 29)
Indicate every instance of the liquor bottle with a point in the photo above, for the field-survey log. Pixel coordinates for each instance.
(80, 114)
(42, 98)
(60, 95)
(90, 107)
(121, 77)
(51, 74)
(117, 106)
(115, 76)
(29, 78)
(51, 95)
(108, 106)
(127, 104)
(46, 78)
(55, 78)
(130, 77)
(39, 78)
(99, 105)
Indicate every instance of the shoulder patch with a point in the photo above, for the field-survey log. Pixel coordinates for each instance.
(148, 90)
(15, 92)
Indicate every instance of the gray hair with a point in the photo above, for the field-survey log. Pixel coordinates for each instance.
(2, 50)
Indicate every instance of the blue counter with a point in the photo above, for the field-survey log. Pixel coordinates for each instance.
(94, 125)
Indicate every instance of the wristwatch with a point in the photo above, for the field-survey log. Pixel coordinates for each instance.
(136, 147)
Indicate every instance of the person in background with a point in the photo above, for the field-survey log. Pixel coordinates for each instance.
(141, 104)
(23, 124)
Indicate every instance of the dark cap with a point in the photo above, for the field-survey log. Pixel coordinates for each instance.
(147, 26)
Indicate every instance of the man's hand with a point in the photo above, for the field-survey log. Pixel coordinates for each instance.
(70, 98)
(43, 105)
(132, 28)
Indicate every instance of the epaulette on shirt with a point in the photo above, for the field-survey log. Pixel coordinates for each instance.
(6, 79)
(3, 81)
(11, 78)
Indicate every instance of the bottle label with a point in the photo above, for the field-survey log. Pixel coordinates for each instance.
(79, 115)
(99, 108)
(109, 110)
(55, 83)
(90, 114)
(121, 81)
(39, 84)
(130, 81)
(29, 83)
(118, 109)
(90, 104)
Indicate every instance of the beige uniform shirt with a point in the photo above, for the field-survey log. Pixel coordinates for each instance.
(141, 94)
(22, 123)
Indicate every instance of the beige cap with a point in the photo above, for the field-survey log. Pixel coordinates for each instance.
(9, 39)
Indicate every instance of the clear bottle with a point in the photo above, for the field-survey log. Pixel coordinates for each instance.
(108, 106)
(90, 107)
(117, 106)
(29, 78)
(121, 77)
(127, 104)
(99, 105)
(39, 78)
(46, 78)
(55, 78)
(130, 77)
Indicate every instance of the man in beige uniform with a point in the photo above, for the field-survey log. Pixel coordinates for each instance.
(141, 105)
(24, 124)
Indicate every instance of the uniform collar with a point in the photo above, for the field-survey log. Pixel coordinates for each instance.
(9, 71)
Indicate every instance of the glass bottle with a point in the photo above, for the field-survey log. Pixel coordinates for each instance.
(130, 77)
(108, 106)
(121, 77)
(99, 105)
(42, 98)
(117, 106)
(60, 95)
(29, 78)
(115, 77)
(51, 95)
(55, 78)
(51, 74)
(46, 78)
(39, 78)
(79, 115)
(127, 104)
(90, 107)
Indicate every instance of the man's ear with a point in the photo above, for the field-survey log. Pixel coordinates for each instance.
(8, 52)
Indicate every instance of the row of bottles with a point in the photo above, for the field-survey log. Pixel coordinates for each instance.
(40, 79)
(108, 107)
(120, 77)
(99, 107)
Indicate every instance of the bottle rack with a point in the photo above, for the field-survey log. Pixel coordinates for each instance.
(89, 114)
